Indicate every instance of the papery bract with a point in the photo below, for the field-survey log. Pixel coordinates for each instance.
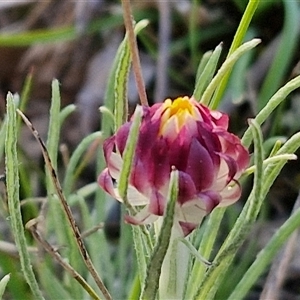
(190, 137)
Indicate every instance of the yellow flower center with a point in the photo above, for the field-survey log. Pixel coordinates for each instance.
(180, 106)
(180, 111)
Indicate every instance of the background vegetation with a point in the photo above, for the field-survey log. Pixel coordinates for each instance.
(77, 43)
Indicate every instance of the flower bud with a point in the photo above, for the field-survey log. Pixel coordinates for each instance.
(193, 139)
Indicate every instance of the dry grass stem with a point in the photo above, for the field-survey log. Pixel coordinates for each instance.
(32, 227)
(134, 52)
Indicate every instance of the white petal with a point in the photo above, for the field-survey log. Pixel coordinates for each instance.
(142, 217)
(135, 198)
(191, 211)
(115, 164)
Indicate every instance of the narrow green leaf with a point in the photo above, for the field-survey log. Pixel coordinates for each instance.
(203, 62)
(272, 160)
(74, 160)
(216, 273)
(276, 99)
(208, 72)
(237, 84)
(120, 86)
(121, 78)
(65, 112)
(194, 252)
(272, 170)
(226, 67)
(124, 246)
(56, 217)
(3, 283)
(108, 114)
(257, 200)
(25, 95)
(205, 249)
(135, 289)
(12, 184)
(54, 124)
(161, 247)
(237, 40)
(140, 253)
(2, 136)
(129, 155)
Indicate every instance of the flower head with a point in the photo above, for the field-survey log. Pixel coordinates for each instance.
(190, 137)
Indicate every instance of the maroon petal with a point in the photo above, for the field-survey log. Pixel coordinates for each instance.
(231, 145)
(106, 182)
(147, 136)
(207, 137)
(205, 113)
(157, 203)
(232, 167)
(210, 141)
(139, 177)
(178, 150)
(108, 147)
(242, 157)
(211, 199)
(160, 164)
(187, 189)
(230, 194)
(121, 137)
(187, 228)
(200, 166)
(220, 119)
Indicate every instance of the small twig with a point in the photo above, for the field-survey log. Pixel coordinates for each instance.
(134, 52)
(31, 226)
(36, 200)
(11, 249)
(67, 210)
(92, 230)
(63, 148)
